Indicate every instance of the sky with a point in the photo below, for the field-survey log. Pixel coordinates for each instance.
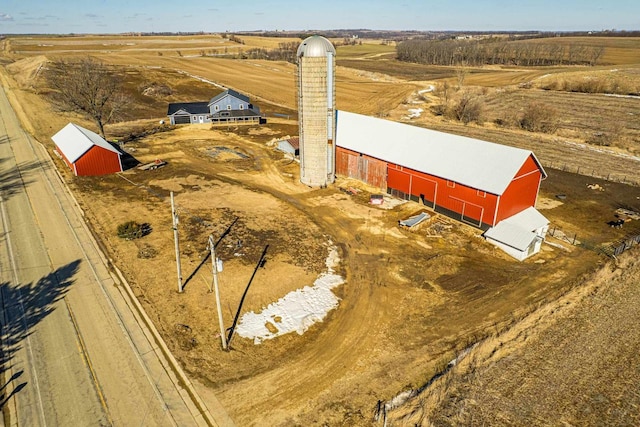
(118, 16)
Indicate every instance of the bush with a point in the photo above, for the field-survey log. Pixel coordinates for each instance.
(538, 117)
(130, 230)
(469, 109)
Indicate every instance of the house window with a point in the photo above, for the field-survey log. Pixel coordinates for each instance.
(242, 106)
(229, 107)
(194, 118)
(216, 107)
(481, 193)
(451, 184)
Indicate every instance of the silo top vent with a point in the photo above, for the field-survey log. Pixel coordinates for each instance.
(315, 46)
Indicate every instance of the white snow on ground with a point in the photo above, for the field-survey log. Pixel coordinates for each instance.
(297, 310)
(414, 113)
(430, 88)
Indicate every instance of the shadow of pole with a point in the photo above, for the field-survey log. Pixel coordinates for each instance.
(208, 254)
(260, 263)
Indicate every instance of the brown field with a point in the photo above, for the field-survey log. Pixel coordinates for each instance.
(411, 300)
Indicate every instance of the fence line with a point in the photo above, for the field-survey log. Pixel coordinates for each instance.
(622, 245)
(593, 172)
(611, 250)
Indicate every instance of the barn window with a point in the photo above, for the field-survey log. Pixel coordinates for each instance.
(481, 193)
(451, 184)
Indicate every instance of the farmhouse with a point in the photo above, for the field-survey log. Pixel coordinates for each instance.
(476, 182)
(85, 152)
(226, 107)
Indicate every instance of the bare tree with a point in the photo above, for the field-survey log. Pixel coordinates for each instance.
(469, 109)
(89, 87)
(461, 74)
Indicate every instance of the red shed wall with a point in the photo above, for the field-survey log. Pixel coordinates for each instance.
(465, 203)
(522, 192)
(98, 161)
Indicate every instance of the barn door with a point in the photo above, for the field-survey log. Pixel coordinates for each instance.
(472, 214)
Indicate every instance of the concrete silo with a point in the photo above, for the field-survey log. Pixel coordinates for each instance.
(316, 111)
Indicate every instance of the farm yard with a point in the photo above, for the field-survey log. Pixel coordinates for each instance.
(411, 299)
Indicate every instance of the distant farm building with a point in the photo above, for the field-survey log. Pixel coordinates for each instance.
(226, 107)
(85, 152)
(473, 181)
(290, 146)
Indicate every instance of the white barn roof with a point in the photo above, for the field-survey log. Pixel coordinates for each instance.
(472, 162)
(518, 231)
(73, 141)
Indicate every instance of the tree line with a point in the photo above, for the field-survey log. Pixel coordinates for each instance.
(483, 52)
(284, 52)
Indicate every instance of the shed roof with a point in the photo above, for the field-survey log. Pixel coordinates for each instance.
(73, 141)
(230, 92)
(188, 107)
(472, 162)
(517, 231)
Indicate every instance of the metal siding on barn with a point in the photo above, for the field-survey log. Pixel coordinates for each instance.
(522, 192)
(98, 161)
(451, 198)
(355, 165)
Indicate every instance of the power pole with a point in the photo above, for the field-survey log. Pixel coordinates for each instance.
(214, 266)
(174, 216)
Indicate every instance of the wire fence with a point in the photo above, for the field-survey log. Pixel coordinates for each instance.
(595, 173)
(611, 250)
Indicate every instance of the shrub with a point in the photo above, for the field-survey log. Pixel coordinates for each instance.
(469, 109)
(130, 230)
(538, 117)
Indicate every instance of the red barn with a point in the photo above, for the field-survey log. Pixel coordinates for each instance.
(474, 181)
(85, 152)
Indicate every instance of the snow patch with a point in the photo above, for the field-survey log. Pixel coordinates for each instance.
(298, 310)
(430, 88)
(414, 113)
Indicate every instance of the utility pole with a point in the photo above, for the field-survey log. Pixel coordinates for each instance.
(214, 266)
(174, 216)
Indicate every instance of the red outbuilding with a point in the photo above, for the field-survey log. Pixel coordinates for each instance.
(474, 181)
(85, 152)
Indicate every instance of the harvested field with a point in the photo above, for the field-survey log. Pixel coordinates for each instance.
(572, 361)
(411, 299)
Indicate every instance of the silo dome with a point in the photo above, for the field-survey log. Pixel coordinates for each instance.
(315, 46)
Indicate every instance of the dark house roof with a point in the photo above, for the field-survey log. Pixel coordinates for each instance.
(294, 142)
(189, 107)
(229, 92)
